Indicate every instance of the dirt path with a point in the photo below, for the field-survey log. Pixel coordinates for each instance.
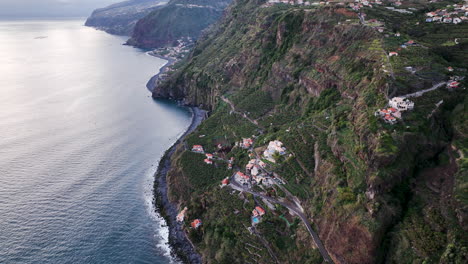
(233, 109)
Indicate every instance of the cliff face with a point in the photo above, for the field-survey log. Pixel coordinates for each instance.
(121, 18)
(313, 78)
(178, 19)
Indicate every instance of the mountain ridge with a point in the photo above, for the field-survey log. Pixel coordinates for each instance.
(178, 20)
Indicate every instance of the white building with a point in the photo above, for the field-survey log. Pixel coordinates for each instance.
(274, 147)
(401, 103)
(255, 170)
(456, 20)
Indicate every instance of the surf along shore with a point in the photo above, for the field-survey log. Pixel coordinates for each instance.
(180, 245)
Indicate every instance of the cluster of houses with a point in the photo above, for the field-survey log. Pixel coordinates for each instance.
(297, 2)
(255, 168)
(358, 4)
(458, 15)
(183, 46)
(254, 174)
(257, 214)
(274, 147)
(199, 149)
(409, 43)
(392, 114)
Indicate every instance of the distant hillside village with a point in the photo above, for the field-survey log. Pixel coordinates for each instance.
(455, 14)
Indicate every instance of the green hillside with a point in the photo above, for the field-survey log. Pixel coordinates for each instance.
(313, 77)
(178, 19)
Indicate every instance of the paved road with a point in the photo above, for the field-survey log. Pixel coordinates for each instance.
(323, 251)
(420, 93)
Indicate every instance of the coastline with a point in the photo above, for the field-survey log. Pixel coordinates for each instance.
(151, 84)
(180, 245)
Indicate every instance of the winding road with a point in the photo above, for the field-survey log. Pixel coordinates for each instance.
(296, 209)
(323, 251)
(420, 93)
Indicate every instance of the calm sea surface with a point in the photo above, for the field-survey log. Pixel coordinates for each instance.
(80, 139)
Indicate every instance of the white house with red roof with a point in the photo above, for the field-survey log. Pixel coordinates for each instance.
(196, 223)
(225, 182)
(453, 84)
(247, 143)
(241, 177)
(389, 115)
(260, 210)
(198, 149)
(208, 161)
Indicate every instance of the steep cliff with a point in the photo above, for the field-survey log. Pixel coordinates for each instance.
(121, 18)
(177, 20)
(313, 77)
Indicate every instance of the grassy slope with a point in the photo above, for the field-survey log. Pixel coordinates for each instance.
(313, 78)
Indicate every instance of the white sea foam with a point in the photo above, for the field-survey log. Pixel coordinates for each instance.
(161, 230)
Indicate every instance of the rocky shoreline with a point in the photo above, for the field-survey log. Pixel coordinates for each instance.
(181, 246)
(153, 81)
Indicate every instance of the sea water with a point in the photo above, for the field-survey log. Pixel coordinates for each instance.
(80, 139)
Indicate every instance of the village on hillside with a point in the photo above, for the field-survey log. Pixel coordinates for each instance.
(244, 176)
(257, 174)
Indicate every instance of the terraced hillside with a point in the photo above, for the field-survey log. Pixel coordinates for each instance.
(313, 77)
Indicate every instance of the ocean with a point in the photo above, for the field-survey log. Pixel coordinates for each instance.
(80, 139)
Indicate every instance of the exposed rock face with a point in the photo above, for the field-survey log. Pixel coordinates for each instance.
(177, 20)
(121, 18)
